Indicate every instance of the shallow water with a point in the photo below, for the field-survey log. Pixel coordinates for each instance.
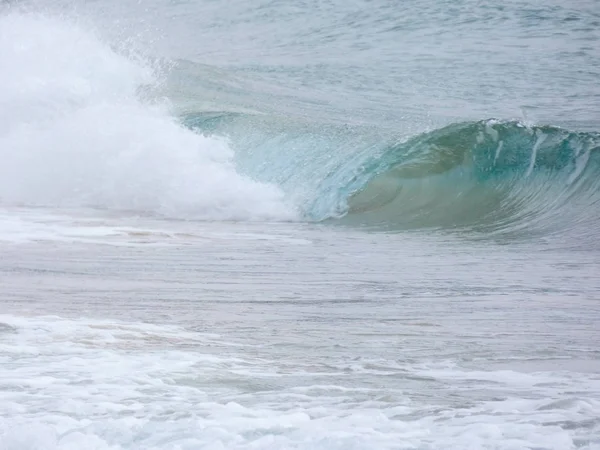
(310, 225)
(179, 335)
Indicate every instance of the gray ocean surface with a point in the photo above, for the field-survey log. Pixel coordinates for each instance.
(299, 225)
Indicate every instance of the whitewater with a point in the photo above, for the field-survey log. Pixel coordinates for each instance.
(310, 225)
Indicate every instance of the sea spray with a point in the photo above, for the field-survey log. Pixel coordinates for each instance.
(74, 132)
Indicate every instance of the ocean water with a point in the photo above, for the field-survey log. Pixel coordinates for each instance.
(299, 225)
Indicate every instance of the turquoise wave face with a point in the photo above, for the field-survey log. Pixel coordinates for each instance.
(486, 176)
(489, 176)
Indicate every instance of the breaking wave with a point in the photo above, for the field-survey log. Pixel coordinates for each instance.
(490, 176)
(78, 128)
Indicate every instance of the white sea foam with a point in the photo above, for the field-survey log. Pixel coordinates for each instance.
(74, 131)
(71, 384)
